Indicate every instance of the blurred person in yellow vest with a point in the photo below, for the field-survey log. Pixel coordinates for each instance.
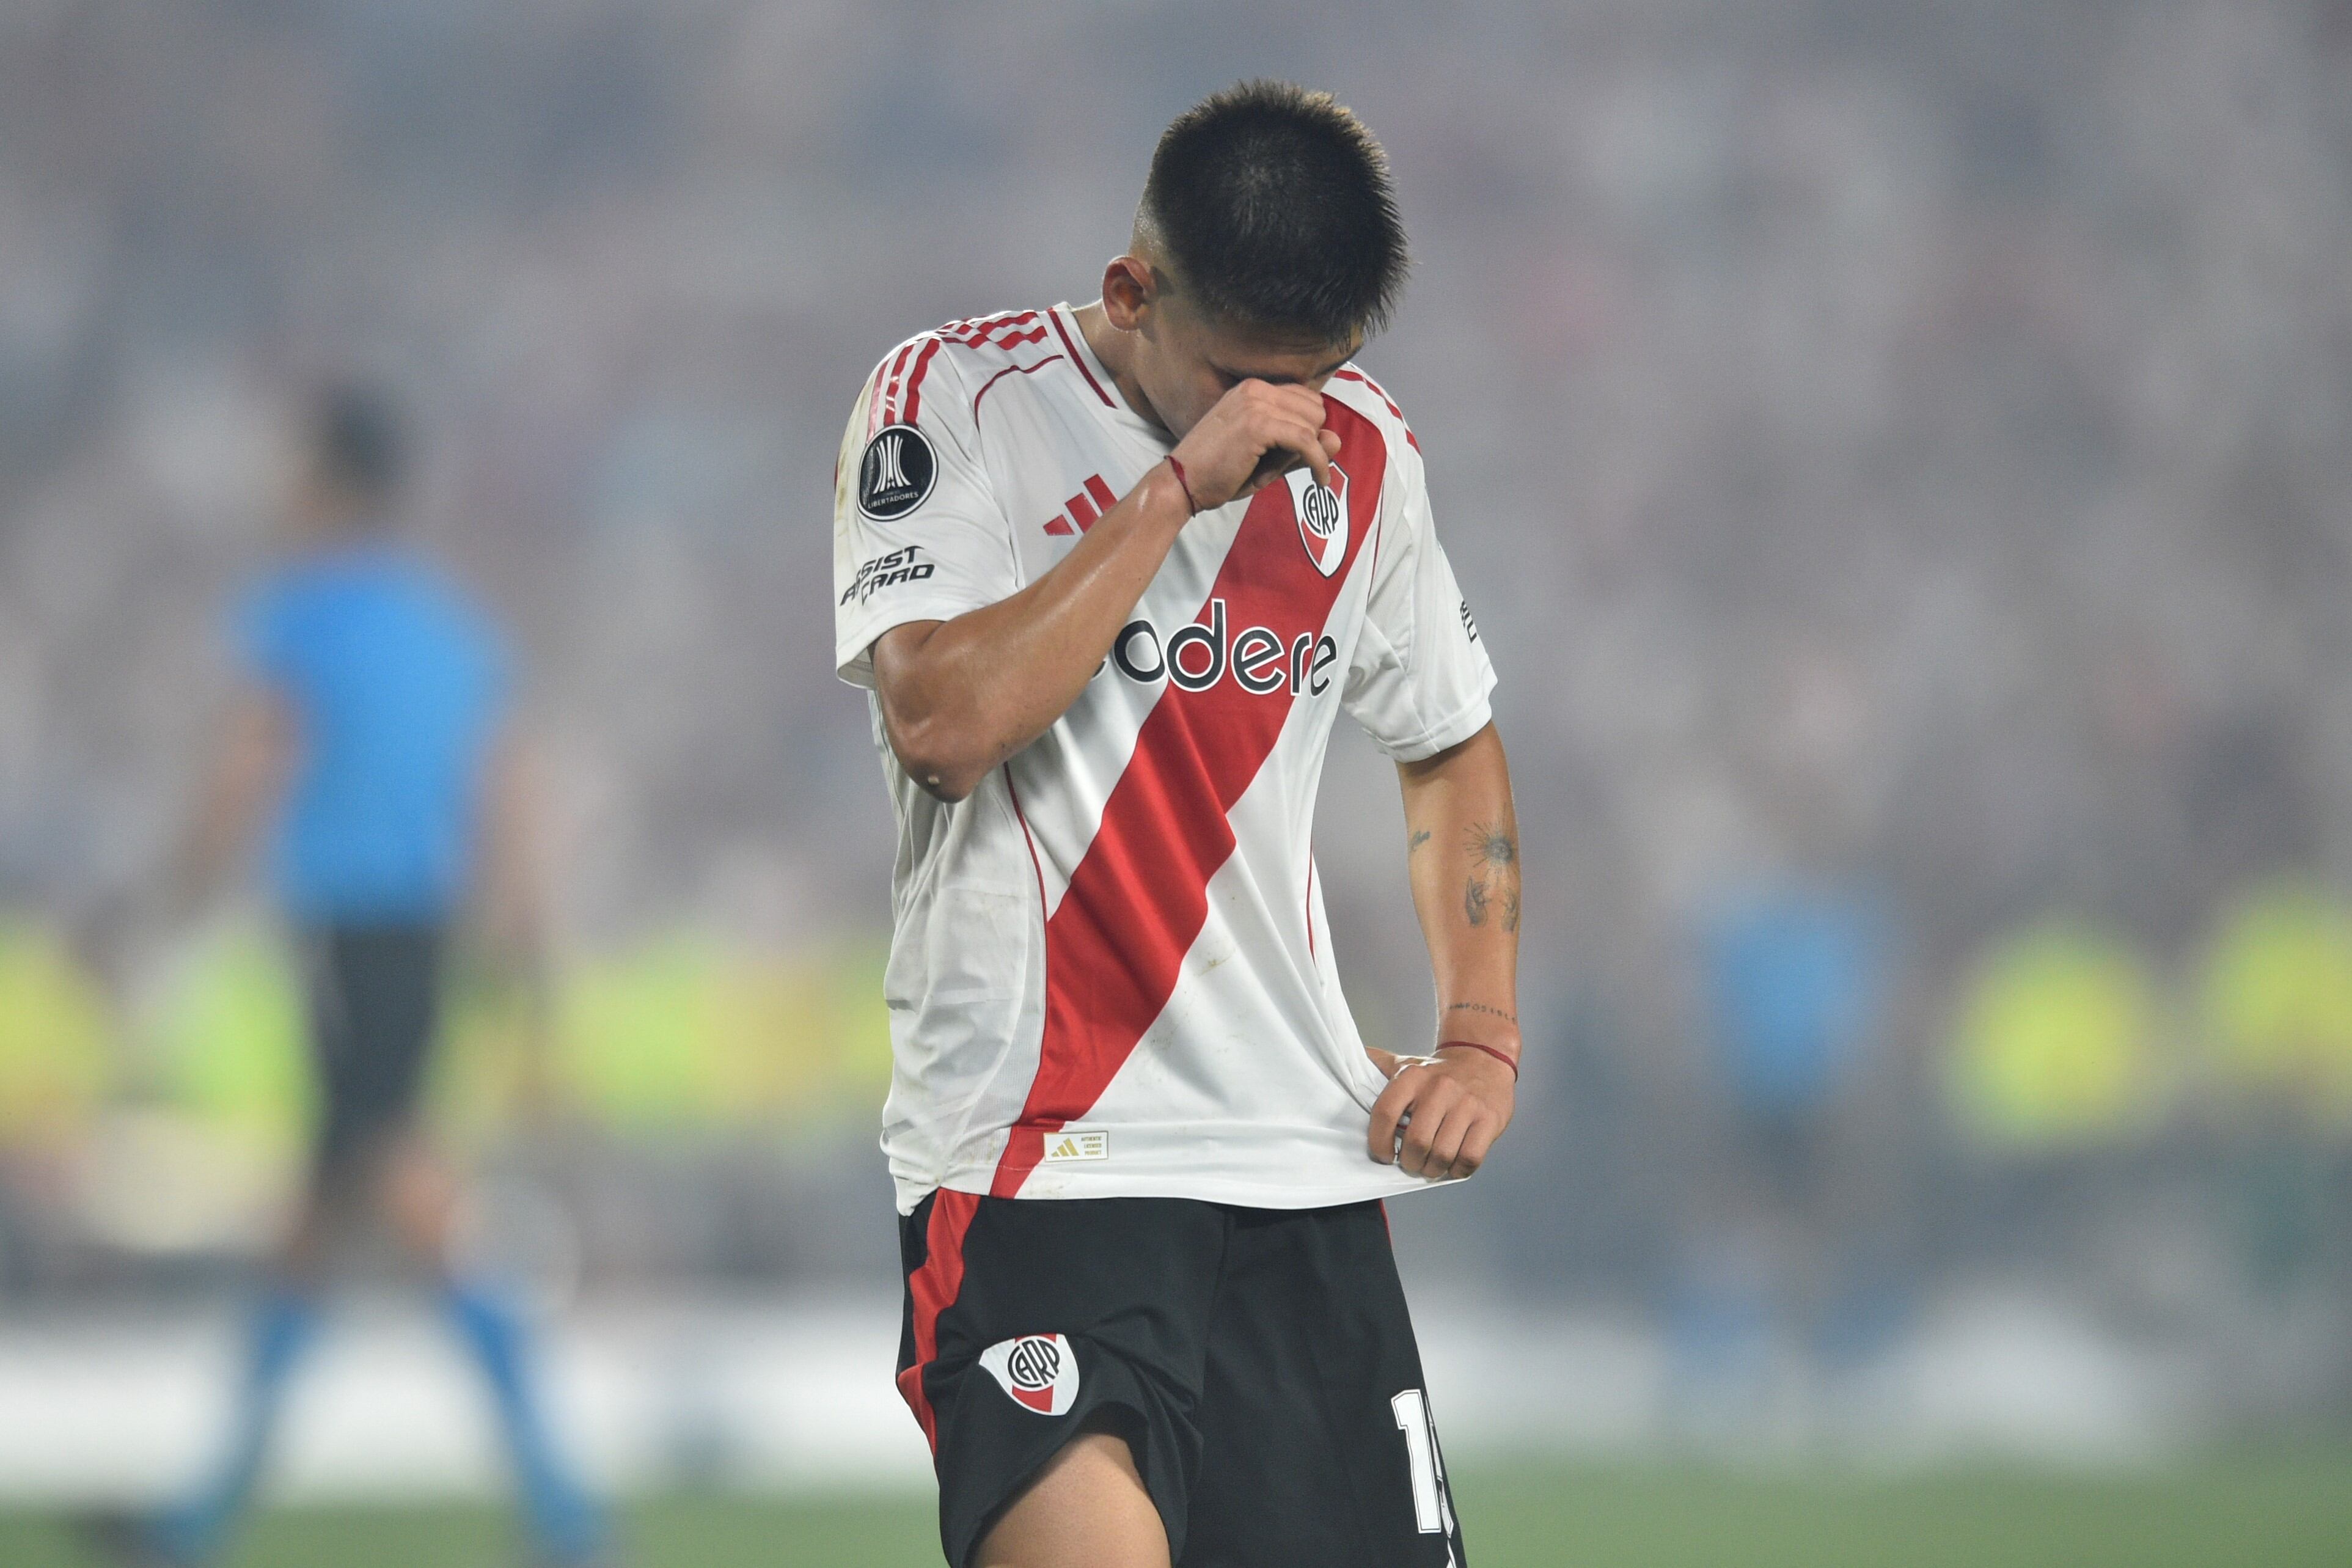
(2056, 1076)
(2274, 1004)
(2274, 992)
(2054, 1044)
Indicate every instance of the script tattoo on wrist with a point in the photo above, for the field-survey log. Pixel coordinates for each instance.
(1503, 1012)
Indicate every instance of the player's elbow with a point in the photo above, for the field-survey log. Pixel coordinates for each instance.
(947, 784)
(930, 716)
(942, 756)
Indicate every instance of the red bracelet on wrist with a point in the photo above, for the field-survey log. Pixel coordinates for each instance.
(1192, 508)
(1505, 1057)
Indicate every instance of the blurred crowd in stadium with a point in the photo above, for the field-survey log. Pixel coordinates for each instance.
(1897, 453)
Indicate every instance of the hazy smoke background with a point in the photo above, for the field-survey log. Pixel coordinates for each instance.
(1897, 456)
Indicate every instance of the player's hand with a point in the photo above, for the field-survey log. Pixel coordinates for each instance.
(1255, 435)
(1439, 1116)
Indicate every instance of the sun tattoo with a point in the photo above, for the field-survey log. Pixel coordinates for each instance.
(1494, 883)
(1492, 843)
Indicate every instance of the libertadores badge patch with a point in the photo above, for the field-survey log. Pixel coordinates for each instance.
(1322, 516)
(897, 474)
(1039, 1371)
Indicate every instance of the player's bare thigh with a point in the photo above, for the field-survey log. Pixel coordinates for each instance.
(1087, 1509)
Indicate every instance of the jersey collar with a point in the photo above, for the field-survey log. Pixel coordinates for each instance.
(1113, 401)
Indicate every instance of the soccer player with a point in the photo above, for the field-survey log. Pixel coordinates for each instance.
(1110, 573)
(370, 728)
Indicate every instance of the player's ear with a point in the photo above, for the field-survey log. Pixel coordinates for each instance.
(1128, 292)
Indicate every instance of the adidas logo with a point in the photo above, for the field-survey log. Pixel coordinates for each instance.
(1077, 1145)
(1083, 509)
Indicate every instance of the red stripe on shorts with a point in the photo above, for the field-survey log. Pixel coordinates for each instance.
(933, 1289)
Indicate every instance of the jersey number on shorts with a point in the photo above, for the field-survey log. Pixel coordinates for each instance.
(1432, 1508)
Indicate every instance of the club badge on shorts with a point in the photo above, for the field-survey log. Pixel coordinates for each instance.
(1039, 1371)
(1322, 516)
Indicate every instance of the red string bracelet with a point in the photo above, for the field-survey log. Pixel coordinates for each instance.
(1505, 1057)
(1185, 485)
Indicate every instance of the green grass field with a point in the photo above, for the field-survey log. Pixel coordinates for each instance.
(2282, 1510)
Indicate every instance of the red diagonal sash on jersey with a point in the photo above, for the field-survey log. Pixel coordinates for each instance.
(1140, 892)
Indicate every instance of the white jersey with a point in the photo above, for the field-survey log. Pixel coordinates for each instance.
(1110, 973)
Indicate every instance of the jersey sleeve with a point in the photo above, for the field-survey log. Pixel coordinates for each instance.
(1419, 678)
(918, 531)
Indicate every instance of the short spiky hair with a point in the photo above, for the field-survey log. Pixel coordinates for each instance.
(1274, 206)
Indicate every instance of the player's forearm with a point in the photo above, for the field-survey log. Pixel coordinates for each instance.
(1463, 853)
(512, 898)
(961, 696)
(243, 779)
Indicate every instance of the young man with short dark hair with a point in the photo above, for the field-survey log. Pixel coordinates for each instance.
(1110, 573)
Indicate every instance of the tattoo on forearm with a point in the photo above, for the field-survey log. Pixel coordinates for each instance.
(1494, 885)
(1503, 1012)
(1494, 844)
(1416, 841)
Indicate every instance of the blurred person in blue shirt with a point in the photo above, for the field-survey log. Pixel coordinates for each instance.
(371, 732)
(1793, 982)
(1793, 974)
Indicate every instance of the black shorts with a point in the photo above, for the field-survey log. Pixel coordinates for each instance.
(1259, 1363)
(375, 1005)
